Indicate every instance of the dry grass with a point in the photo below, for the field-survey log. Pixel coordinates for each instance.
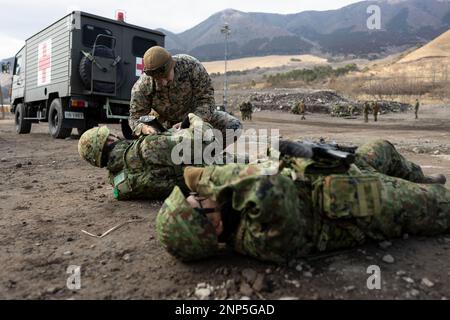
(263, 62)
(423, 73)
(439, 47)
(429, 63)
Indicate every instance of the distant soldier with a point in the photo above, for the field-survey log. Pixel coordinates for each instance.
(299, 108)
(351, 110)
(246, 109)
(302, 108)
(376, 110)
(249, 111)
(295, 109)
(366, 111)
(416, 108)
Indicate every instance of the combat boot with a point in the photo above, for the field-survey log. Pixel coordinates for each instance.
(435, 179)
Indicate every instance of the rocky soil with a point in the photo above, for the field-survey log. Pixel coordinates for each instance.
(48, 195)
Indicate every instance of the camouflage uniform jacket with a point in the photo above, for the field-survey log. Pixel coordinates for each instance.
(191, 91)
(301, 211)
(144, 168)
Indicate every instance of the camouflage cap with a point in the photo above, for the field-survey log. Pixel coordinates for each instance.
(157, 61)
(91, 143)
(185, 233)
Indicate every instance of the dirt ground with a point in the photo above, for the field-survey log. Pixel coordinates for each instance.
(48, 195)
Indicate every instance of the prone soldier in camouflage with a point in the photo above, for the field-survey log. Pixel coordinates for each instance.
(173, 87)
(142, 168)
(304, 209)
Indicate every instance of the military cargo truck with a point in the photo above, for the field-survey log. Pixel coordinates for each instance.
(78, 72)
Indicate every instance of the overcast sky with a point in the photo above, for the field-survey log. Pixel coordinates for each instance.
(22, 18)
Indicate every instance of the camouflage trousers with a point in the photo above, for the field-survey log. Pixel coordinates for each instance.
(381, 156)
(408, 207)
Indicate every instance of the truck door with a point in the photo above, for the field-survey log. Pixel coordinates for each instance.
(18, 84)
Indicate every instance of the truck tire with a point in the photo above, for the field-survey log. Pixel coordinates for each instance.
(85, 71)
(56, 119)
(22, 125)
(126, 130)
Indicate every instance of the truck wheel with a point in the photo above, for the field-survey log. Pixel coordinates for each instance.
(22, 125)
(85, 69)
(55, 121)
(126, 130)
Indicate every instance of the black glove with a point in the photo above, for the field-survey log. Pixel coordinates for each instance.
(185, 123)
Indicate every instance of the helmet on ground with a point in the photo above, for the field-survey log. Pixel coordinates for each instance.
(183, 231)
(91, 144)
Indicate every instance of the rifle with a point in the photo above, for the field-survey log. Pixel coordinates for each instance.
(318, 151)
(153, 122)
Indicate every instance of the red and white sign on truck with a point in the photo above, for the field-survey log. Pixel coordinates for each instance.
(44, 62)
(139, 66)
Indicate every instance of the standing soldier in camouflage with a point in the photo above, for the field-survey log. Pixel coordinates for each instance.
(141, 168)
(351, 110)
(299, 108)
(304, 209)
(246, 109)
(376, 110)
(173, 87)
(302, 108)
(416, 108)
(249, 111)
(366, 110)
(295, 109)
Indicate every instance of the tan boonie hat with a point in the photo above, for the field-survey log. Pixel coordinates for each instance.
(157, 62)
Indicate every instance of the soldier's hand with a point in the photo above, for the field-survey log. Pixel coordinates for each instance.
(148, 130)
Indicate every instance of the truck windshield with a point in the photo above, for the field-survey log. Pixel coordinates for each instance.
(18, 65)
(90, 33)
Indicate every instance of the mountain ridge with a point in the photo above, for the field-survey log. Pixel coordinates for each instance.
(405, 23)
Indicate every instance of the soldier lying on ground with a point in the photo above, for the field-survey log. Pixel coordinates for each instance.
(141, 168)
(308, 207)
(173, 87)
